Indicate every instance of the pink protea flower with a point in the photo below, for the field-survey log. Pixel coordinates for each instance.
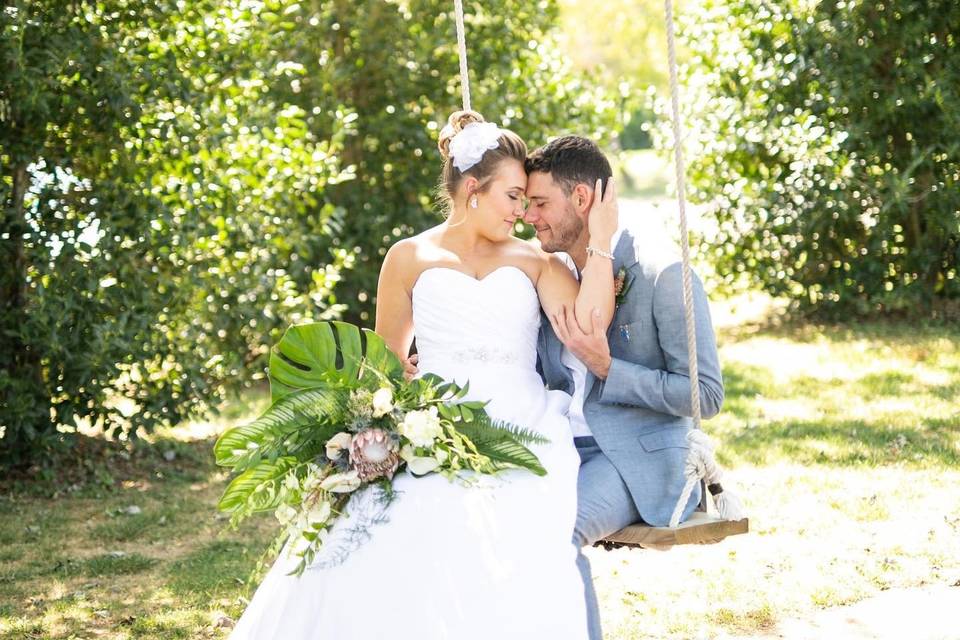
(374, 454)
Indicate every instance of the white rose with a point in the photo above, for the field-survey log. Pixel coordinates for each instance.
(421, 428)
(421, 466)
(418, 465)
(382, 402)
(341, 482)
(337, 444)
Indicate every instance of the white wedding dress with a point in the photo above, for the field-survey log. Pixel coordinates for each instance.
(452, 562)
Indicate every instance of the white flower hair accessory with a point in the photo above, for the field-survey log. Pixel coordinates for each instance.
(475, 139)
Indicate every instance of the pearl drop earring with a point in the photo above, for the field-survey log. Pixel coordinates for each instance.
(473, 202)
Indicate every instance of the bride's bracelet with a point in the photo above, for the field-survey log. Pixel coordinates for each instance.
(599, 252)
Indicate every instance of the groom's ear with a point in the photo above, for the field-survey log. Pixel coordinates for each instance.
(581, 197)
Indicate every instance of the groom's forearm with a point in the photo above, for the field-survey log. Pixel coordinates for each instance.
(667, 390)
(633, 384)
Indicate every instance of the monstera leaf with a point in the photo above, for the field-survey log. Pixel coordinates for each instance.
(312, 354)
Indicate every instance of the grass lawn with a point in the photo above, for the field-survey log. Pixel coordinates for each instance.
(843, 441)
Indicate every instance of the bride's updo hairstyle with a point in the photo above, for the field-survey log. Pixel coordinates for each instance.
(509, 146)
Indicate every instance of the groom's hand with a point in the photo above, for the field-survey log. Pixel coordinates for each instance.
(592, 349)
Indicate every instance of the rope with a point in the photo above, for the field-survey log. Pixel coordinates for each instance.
(701, 462)
(684, 237)
(462, 44)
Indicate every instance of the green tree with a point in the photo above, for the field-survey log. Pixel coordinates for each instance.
(622, 45)
(155, 197)
(825, 135)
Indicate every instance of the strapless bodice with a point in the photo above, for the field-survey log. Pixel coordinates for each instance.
(459, 319)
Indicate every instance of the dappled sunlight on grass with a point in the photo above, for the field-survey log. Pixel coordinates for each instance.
(844, 445)
(873, 397)
(243, 408)
(817, 540)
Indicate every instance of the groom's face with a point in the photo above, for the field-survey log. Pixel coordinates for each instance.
(551, 213)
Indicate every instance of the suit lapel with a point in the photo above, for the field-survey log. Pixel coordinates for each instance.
(624, 255)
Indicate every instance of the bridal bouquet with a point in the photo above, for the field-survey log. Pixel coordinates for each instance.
(343, 417)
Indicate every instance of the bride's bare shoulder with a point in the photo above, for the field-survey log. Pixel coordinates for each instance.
(534, 255)
(404, 259)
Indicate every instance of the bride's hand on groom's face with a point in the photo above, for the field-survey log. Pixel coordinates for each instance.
(592, 349)
(604, 213)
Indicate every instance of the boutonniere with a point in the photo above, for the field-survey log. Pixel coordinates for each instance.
(621, 286)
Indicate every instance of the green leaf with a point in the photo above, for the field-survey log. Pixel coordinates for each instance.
(308, 354)
(321, 409)
(242, 493)
(500, 443)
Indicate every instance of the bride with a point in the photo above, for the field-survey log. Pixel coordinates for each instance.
(494, 559)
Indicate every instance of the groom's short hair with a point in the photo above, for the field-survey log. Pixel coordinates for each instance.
(570, 160)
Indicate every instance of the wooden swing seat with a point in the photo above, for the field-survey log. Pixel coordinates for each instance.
(700, 528)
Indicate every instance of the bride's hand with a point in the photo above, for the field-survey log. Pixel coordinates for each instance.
(410, 369)
(604, 215)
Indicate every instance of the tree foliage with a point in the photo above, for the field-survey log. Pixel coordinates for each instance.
(825, 136)
(156, 196)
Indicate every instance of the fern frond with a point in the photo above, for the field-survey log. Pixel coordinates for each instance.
(520, 434)
(500, 445)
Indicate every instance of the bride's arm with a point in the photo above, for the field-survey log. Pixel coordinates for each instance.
(394, 307)
(558, 288)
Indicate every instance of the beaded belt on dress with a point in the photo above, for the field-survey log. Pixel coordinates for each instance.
(486, 355)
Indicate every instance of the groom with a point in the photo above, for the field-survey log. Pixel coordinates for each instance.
(631, 409)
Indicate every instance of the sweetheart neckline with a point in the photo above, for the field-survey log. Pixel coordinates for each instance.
(476, 280)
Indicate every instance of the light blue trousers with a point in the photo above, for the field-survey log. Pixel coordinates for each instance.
(604, 506)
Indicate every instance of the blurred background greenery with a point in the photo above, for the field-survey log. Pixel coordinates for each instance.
(182, 180)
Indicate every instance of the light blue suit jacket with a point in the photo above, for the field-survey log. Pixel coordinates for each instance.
(640, 414)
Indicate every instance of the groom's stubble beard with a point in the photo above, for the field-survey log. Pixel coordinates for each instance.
(564, 236)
